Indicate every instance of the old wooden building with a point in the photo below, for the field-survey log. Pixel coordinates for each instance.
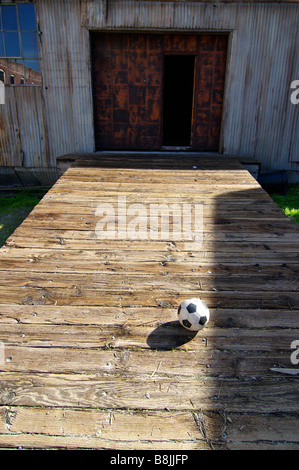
(164, 101)
(84, 76)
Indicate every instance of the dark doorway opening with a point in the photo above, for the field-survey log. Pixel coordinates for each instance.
(178, 100)
(129, 71)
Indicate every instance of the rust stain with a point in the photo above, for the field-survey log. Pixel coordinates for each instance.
(128, 88)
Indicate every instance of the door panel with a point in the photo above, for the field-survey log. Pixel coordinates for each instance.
(128, 81)
(127, 71)
(209, 86)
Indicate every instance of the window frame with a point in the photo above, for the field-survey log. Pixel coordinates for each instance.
(35, 56)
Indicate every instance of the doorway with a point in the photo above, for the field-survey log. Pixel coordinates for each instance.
(153, 91)
(178, 100)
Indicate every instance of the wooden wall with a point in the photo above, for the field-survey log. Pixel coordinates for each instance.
(38, 125)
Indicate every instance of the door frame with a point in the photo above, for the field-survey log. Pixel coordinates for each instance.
(178, 147)
(229, 33)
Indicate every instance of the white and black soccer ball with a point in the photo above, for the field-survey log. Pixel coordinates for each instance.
(193, 314)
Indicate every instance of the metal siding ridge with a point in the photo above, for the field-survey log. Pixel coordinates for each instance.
(68, 83)
(258, 118)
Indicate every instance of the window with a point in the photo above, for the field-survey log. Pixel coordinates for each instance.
(19, 54)
(2, 76)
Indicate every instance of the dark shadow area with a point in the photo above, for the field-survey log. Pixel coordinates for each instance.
(178, 99)
(274, 182)
(15, 205)
(169, 336)
(154, 160)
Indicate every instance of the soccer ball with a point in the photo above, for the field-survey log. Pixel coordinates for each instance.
(193, 314)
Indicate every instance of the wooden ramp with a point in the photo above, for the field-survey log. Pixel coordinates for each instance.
(91, 352)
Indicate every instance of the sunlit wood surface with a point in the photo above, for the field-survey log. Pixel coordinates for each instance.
(92, 354)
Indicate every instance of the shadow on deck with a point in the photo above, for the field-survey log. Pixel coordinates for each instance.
(93, 355)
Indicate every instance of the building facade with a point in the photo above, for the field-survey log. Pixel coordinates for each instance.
(86, 76)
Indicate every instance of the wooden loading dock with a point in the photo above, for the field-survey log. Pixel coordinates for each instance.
(92, 353)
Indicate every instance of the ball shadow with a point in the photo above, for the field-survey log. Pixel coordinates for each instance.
(169, 336)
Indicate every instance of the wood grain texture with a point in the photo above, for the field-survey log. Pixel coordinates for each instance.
(128, 82)
(94, 356)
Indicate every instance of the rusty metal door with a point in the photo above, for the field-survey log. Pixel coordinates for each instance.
(128, 88)
(209, 91)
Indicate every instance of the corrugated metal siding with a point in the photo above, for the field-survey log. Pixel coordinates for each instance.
(67, 78)
(37, 124)
(266, 115)
(10, 144)
(31, 124)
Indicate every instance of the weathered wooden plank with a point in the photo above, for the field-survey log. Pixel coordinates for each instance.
(90, 332)
(44, 441)
(156, 430)
(213, 245)
(112, 391)
(168, 336)
(96, 270)
(232, 280)
(175, 363)
(178, 193)
(168, 258)
(222, 230)
(184, 179)
(224, 205)
(226, 176)
(44, 219)
(212, 209)
(200, 279)
(174, 188)
(155, 297)
(74, 240)
(103, 316)
(102, 429)
(264, 431)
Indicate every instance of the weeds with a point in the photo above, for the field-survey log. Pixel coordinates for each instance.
(289, 203)
(15, 207)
